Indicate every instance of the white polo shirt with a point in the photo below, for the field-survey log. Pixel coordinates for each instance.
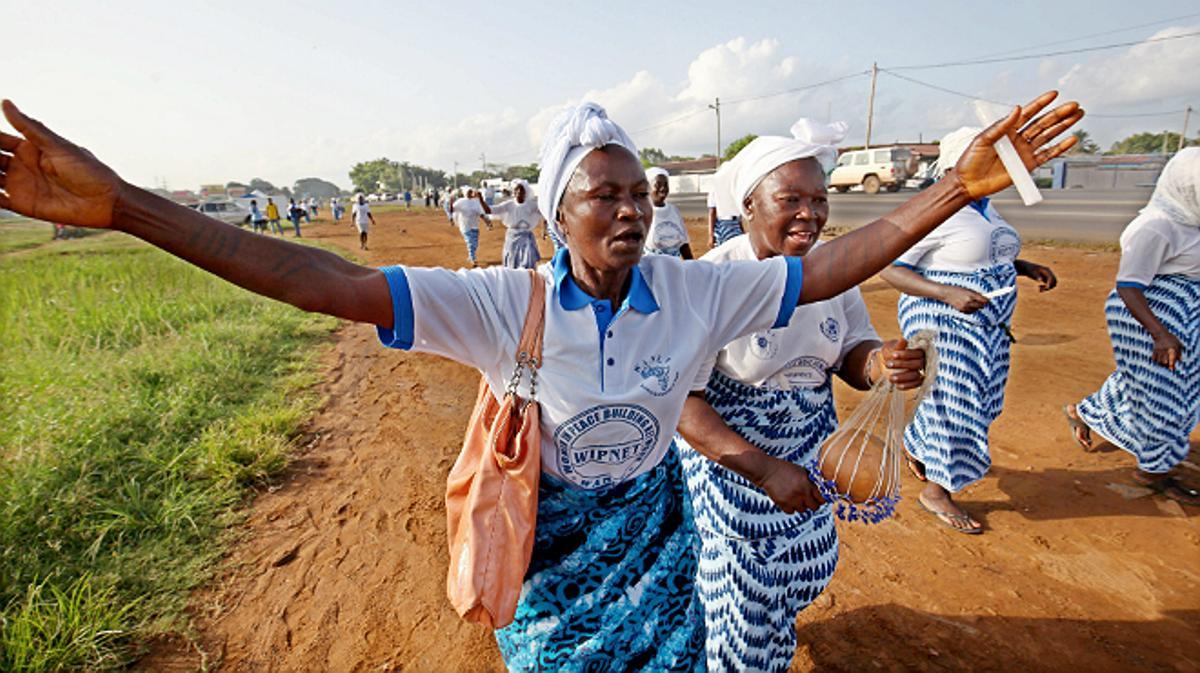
(612, 383)
(517, 216)
(967, 241)
(466, 214)
(799, 355)
(1153, 245)
(362, 215)
(667, 233)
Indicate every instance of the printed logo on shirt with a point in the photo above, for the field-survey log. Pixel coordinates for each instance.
(805, 372)
(605, 444)
(832, 329)
(763, 344)
(657, 377)
(1006, 245)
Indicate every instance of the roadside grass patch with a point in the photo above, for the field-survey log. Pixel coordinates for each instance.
(141, 398)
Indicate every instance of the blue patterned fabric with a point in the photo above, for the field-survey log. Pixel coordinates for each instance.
(1143, 407)
(723, 230)
(471, 236)
(949, 432)
(669, 252)
(759, 567)
(520, 250)
(611, 586)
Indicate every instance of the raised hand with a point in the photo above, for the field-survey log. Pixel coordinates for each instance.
(980, 171)
(47, 177)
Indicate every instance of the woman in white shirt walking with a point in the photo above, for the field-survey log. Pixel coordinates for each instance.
(961, 282)
(1151, 403)
(520, 216)
(668, 234)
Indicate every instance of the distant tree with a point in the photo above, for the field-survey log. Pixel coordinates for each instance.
(652, 156)
(1085, 145)
(680, 157)
(316, 187)
(236, 185)
(737, 145)
(521, 171)
(371, 176)
(263, 186)
(1148, 143)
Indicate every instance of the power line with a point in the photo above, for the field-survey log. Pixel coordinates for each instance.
(799, 88)
(983, 61)
(1088, 37)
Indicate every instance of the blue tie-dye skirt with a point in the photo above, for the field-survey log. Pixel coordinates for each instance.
(723, 230)
(949, 432)
(471, 236)
(759, 567)
(611, 586)
(520, 250)
(1143, 407)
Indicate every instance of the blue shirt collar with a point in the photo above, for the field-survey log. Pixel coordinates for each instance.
(571, 297)
(981, 205)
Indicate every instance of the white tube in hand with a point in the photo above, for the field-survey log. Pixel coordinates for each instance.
(1021, 178)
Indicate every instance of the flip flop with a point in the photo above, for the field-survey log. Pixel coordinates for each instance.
(948, 520)
(1171, 487)
(1077, 424)
(915, 467)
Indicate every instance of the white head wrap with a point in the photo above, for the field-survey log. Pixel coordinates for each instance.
(653, 173)
(1177, 193)
(571, 136)
(738, 177)
(518, 182)
(953, 145)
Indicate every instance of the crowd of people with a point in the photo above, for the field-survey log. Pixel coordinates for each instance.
(677, 527)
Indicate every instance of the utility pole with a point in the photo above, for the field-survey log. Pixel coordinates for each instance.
(455, 176)
(871, 105)
(1183, 134)
(483, 160)
(716, 107)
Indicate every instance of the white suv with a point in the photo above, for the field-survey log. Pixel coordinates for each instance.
(225, 211)
(874, 168)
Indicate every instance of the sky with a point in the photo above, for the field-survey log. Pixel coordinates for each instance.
(184, 93)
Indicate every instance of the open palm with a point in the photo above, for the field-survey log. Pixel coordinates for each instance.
(49, 178)
(980, 169)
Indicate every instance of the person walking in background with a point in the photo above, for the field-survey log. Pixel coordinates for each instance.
(489, 193)
(295, 212)
(667, 234)
(724, 222)
(258, 221)
(520, 216)
(407, 200)
(335, 209)
(961, 282)
(467, 212)
(361, 215)
(273, 216)
(1151, 403)
(447, 202)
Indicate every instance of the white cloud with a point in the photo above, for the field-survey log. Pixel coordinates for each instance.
(1144, 73)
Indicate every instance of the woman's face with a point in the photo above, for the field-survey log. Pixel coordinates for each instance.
(788, 209)
(519, 193)
(659, 191)
(605, 211)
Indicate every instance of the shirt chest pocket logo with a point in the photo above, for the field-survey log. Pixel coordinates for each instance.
(1006, 245)
(763, 345)
(832, 329)
(657, 377)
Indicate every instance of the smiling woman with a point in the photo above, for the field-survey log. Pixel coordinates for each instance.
(614, 559)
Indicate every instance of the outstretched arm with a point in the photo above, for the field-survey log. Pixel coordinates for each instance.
(49, 178)
(852, 258)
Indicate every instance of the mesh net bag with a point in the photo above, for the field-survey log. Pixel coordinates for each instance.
(857, 469)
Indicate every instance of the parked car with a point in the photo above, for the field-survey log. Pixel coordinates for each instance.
(225, 211)
(886, 167)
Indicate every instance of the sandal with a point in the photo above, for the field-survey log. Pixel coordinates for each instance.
(1171, 487)
(1084, 439)
(952, 521)
(915, 466)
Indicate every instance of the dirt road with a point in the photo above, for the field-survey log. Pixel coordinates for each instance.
(342, 567)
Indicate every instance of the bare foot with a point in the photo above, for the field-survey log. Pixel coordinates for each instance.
(936, 500)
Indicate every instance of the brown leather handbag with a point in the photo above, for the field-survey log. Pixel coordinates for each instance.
(492, 490)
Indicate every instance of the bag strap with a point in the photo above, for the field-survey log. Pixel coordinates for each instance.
(529, 348)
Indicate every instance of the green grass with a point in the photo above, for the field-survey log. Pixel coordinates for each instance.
(141, 399)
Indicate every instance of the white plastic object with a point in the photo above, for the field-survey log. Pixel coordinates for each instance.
(1021, 178)
(1001, 292)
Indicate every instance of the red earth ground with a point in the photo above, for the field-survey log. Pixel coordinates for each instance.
(342, 564)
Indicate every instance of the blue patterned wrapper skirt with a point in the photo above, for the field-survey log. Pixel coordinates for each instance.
(949, 431)
(520, 250)
(611, 586)
(1143, 407)
(471, 236)
(759, 567)
(723, 230)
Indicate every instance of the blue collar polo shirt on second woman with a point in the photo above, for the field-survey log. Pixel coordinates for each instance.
(613, 380)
